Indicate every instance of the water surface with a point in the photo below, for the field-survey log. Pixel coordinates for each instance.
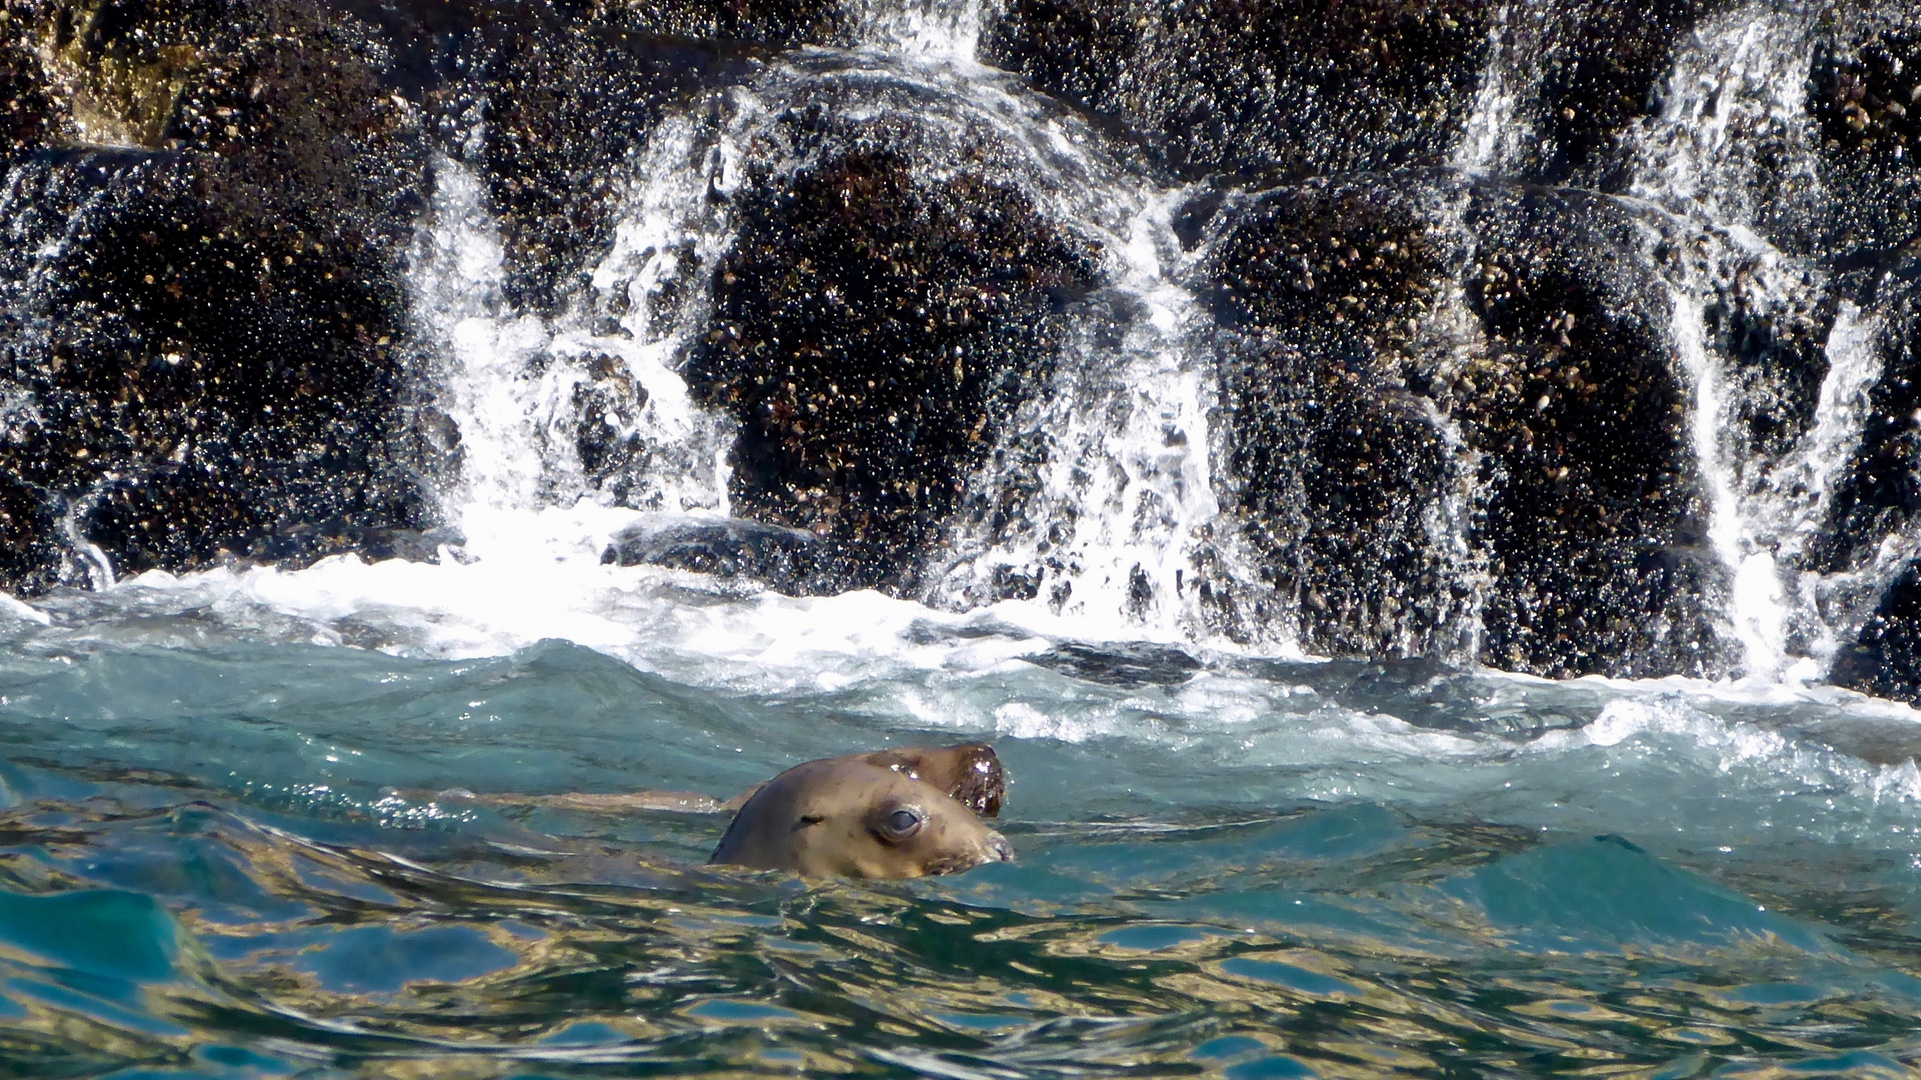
(222, 852)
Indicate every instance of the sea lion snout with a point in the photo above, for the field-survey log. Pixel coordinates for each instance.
(998, 849)
(884, 815)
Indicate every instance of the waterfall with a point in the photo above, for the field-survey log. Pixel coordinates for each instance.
(1832, 607)
(520, 388)
(457, 278)
(1106, 500)
(1755, 610)
(1737, 85)
(1110, 473)
(1498, 131)
(1126, 488)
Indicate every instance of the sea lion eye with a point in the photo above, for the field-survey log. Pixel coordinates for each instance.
(901, 823)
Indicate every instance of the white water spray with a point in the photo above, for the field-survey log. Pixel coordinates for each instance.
(1498, 130)
(514, 383)
(1755, 610)
(457, 279)
(925, 31)
(1737, 90)
(1126, 489)
(1738, 84)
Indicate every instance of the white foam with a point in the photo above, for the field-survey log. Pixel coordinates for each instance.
(1499, 127)
(1738, 84)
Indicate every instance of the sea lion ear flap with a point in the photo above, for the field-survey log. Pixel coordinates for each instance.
(980, 782)
(970, 773)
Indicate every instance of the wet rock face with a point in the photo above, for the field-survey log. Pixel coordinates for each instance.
(1880, 493)
(1591, 523)
(1600, 66)
(30, 112)
(1258, 86)
(566, 102)
(872, 331)
(212, 359)
(1864, 94)
(98, 73)
(1338, 460)
(1395, 482)
(1885, 659)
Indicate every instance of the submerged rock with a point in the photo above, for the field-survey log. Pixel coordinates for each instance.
(790, 560)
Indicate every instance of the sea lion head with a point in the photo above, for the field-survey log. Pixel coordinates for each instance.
(851, 817)
(970, 772)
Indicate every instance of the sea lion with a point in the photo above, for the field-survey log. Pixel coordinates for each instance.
(970, 773)
(910, 812)
(856, 817)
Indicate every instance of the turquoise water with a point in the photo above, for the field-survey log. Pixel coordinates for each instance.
(221, 854)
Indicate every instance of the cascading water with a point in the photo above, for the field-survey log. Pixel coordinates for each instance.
(1498, 130)
(1737, 86)
(1126, 490)
(46, 210)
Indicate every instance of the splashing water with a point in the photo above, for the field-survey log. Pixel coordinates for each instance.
(1497, 133)
(924, 31)
(1738, 84)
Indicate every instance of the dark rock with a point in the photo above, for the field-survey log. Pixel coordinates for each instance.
(1772, 345)
(1283, 87)
(872, 331)
(1131, 664)
(1592, 521)
(1880, 493)
(216, 351)
(32, 558)
(1885, 658)
(32, 112)
(1600, 65)
(568, 102)
(1862, 95)
(789, 560)
(1337, 461)
(97, 72)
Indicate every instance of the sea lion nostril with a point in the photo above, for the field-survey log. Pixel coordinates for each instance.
(999, 849)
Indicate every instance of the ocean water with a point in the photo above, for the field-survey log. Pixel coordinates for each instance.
(234, 843)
